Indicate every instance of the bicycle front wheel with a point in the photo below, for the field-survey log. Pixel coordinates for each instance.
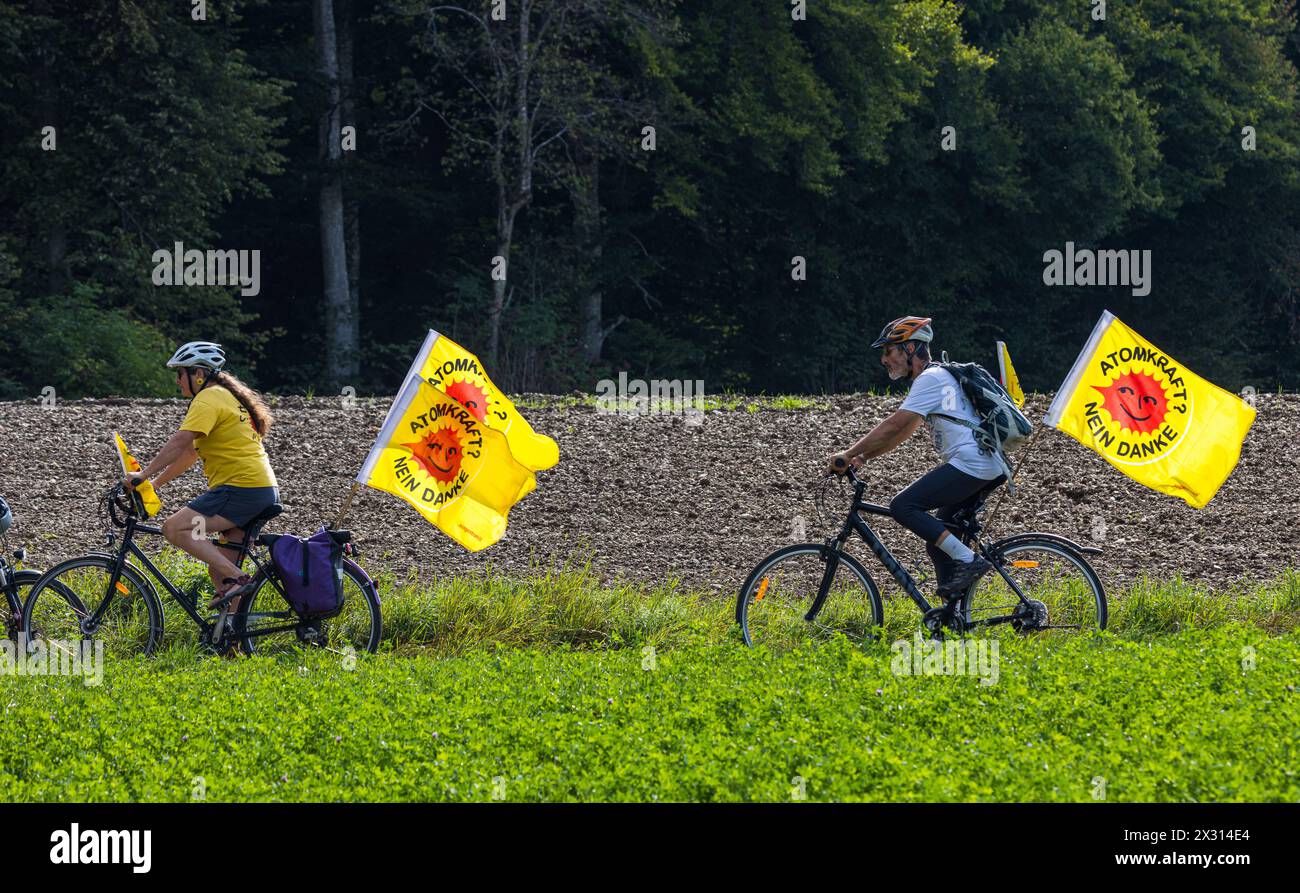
(60, 605)
(773, 605)
(269, 626)
(1062, 590)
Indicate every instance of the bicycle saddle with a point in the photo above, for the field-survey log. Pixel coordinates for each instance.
(271, 511)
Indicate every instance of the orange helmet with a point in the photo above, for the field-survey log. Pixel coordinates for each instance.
(905, 328)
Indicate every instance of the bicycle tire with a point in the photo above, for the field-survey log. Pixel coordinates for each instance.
(793, 599)
(266, 608)
(140, 633)
(1067, 602)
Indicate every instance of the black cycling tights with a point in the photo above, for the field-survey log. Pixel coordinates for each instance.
(945, 488)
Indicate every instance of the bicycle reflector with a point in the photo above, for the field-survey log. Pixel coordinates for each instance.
(121, 587)
(762, 589)
(1024, 562)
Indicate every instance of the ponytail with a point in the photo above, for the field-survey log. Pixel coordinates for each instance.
(248, 398)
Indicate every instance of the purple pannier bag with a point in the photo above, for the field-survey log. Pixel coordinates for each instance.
(311, 570)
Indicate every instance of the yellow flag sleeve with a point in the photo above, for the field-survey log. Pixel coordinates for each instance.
(454, 470)
(1149, 416)
(1010, 380)
(148, 495)
(458, 373)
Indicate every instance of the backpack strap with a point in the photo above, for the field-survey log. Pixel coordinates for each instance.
(982, 437)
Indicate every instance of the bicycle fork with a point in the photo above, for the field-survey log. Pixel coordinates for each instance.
(832, 552)
(90, 625)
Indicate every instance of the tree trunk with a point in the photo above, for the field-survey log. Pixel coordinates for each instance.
(351, 205)
(56, 240)
(341, 337)
(505, 233)
(511, 200)
(586, 220)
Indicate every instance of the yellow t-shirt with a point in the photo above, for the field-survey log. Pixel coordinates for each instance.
(227, 442)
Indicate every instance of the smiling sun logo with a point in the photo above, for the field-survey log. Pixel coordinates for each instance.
(1135, 409)
(1136, 401)
(470, 396)
(439, 453)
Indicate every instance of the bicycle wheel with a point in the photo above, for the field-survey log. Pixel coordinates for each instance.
(68, 594)
(1064, 591)
(774, 602)
(269, 626)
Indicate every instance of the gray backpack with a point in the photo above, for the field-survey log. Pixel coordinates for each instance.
(1002, 425)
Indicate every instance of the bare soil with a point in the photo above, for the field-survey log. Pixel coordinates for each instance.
(650, 498)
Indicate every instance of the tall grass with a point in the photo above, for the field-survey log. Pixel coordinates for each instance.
(573, 606)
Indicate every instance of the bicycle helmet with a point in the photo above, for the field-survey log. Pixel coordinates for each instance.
(6, 516)
(905, 328)
(199, 353)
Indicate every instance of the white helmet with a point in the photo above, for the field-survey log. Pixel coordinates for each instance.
(199, 353)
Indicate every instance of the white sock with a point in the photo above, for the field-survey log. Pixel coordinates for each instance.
(955, 549)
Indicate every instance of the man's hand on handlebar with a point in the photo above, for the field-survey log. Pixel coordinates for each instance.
(133, 479)
(840, 463)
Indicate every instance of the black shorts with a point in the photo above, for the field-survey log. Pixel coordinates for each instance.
(238, 504)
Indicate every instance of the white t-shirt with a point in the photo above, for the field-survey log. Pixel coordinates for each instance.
(936, 391)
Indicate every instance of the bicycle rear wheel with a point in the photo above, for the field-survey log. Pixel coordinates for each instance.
(774, 602)
(1064, 591)
(269, 626)
(68, 595)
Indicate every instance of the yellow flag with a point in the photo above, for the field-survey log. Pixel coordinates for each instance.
(458, 373)
(1149, 416)
(457, 472)
(1010, 380)
(148, 495)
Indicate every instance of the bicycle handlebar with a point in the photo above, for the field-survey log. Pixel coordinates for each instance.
(843, 467)
(121, 505)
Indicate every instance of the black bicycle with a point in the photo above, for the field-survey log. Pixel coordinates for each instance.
(1039, 581)
(107, 597)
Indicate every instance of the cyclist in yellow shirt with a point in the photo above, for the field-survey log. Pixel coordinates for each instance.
(224, 427)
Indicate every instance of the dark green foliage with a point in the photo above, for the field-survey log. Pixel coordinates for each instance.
(81, 349)
(776, 139)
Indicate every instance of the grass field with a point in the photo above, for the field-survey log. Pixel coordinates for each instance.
(559, 688)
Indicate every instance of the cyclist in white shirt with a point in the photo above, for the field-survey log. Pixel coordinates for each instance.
(967, 470)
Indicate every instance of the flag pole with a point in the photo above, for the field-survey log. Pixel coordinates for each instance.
(1029, 447)
(347, 504)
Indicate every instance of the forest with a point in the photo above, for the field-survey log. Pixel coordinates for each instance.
(740, 192)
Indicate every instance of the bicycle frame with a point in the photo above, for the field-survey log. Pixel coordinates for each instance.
(854, 522)
(7, 584)
(129, 547)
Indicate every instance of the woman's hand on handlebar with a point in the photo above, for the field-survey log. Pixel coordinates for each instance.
(132, 480)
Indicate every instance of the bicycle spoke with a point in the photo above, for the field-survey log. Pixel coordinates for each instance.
(775, 605)
(1063, 593)
(271, 627)
(127, 626)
